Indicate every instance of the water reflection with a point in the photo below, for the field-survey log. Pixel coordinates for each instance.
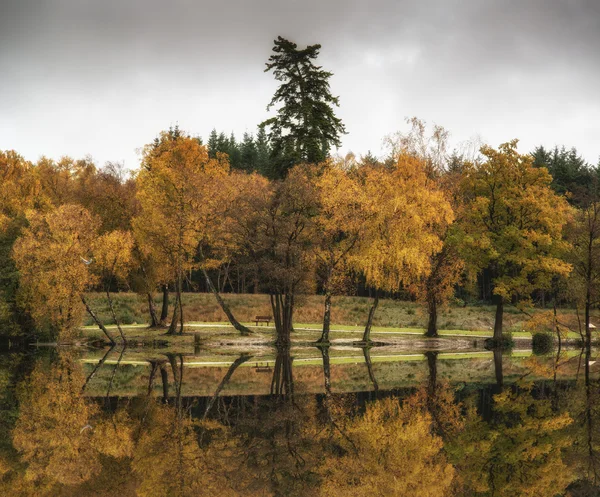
(160, 424)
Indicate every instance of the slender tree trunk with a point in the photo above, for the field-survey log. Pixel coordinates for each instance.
(174, 320)
(97, 321)
(326, 319)
(151, 377)
(588, 331)
(180, 308)
(164, 313)
(588, 291)
(234, 322)
(498, 369)
(112, 377)
(152, 311)
(237, 363)
(432, 321)
(498, 320)
(97, 367)
(367, 333)
(367, 354)
(255, 282)
(112, 311)
(326, 373)
(164, 376)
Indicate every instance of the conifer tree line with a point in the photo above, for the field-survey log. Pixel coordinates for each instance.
(278, 213)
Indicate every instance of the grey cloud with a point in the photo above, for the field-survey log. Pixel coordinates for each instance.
(104, 77)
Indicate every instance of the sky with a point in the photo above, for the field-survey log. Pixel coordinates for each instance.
(103, 78)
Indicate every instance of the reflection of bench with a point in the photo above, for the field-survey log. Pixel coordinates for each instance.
(262, 319)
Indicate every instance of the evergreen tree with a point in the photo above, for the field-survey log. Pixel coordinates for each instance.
(305, 126)
(263, 152)
(213, 143)
(234, 153)
(569, 171)
(248, 153)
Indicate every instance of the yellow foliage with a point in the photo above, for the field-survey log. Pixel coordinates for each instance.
(169, 461)
(513, 221)
(396, 455)
(113, 256)
(50, 257)
(52, 432)
(407, 208)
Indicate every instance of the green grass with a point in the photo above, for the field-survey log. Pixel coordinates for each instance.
(348, 313)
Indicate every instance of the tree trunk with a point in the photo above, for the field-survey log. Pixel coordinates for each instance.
(112, 311)
(432, 321)
(367, 333)
(498, 321)
(588, 331)
(282, 383)
(164, 313)
(164, 376)
(326, 373)
(283, 309)
(326, 319)
(97, 367)
(367, 354)
(173, 326)
(234, 322)
(97, 321)
(180, 309)
(498, 369)
(238, 362)
(152, 311)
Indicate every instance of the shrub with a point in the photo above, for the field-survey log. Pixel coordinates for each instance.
(542, 343)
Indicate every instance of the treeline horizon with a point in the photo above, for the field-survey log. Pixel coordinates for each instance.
(279, 215)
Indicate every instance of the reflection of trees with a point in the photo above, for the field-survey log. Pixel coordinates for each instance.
(282, 383)
(168, 460)
(519, 452)
(62, 437)
(367, 353)
(394, 452)
(584, 402)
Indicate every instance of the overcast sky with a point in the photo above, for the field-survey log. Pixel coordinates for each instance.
(103, 77)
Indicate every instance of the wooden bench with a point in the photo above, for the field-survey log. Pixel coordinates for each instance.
(263, 369)
(262, 319)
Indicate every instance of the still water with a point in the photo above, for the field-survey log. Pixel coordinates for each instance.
(353, 422)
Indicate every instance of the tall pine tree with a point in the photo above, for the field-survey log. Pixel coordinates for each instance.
(305, 127)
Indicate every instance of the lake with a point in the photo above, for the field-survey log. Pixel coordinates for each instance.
(308, 421)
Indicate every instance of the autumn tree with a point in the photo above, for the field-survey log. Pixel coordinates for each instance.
(583, 232)
(112, 262)
(274, 228)
(513, 224)
(176, 188)
(21, 191)
(407, 209)
(435, 288)
(53, 257)
(150, 272)
(341, 224)
(305, 127)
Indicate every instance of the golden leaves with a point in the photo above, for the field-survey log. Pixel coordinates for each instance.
(51, 257)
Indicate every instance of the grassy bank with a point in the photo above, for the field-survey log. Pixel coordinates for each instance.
(348, 313)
